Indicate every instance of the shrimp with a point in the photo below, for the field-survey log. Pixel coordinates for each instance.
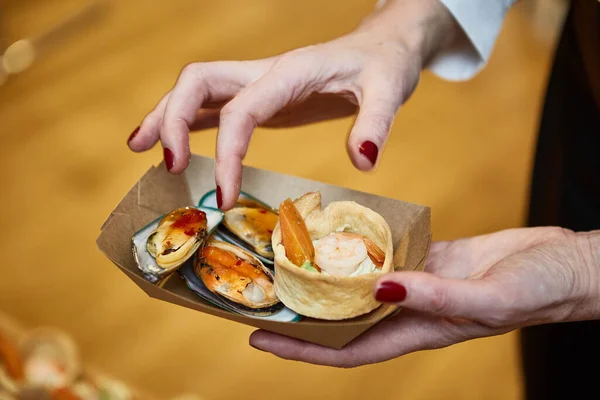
(375, 253)
(340, 254)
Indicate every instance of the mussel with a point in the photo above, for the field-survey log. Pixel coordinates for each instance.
(249, 224)
(168, 242)
(237, 277)
(251, 228)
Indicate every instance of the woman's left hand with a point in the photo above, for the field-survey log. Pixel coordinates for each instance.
(471, 288)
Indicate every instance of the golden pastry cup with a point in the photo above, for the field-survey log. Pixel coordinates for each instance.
(328, 297)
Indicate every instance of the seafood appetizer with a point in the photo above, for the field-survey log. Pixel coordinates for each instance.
(253, 227)
(51, 358)
(327, 260)
(237, 277)
(168, 242)
(45, 359)
(249, 224)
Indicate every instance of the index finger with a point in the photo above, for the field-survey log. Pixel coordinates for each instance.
(253, 106)
(200, 83)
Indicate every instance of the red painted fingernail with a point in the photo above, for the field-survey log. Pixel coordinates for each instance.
(369, 150)
(219, 197)
(168, 155)
(390, 292)
(133, 134)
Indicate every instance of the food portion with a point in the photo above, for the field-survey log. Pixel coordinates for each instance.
(177, 235)
(237, 276)
(299, 248)
(167, 243)
(249, 224)
(327, 260)
(43, 359)
(298, 260)
(245, 200)
(338, 253)
(253, 226)
(343, 255)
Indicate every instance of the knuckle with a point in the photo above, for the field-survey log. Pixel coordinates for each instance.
(557, 233)
(228, 110)
(196, 71)
(232, 111)
(500, 318)
(505, 313)
(440, 302)
(295, 74)
(292, 57)
(189, 69)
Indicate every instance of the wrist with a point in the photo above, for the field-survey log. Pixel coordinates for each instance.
(589, 247)
(421, 27)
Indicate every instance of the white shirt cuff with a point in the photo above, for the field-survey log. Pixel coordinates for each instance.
(481, 21)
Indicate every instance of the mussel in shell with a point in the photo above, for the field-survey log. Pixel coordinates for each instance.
(167, 243)
(252, 228)
(237, 276)
(249, 224)
(176, 236)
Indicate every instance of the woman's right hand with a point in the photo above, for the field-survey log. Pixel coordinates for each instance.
(373, 69)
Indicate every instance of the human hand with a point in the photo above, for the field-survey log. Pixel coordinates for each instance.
(471, 288)
(373, 69)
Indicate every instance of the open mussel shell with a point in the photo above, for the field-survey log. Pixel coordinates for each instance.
(237, 277)
(168, 242)
(249, 225)
(195, 284)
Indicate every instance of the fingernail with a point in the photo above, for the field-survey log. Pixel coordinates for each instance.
(219, 197)
(168, 155)
(390, 292)
(369, 150)
(257, 348)
(133, 134)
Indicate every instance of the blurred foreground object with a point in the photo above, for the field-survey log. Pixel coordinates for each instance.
(44, 364)
(20, 55)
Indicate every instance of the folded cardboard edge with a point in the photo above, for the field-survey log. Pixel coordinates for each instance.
(326, 333)
(124, 206)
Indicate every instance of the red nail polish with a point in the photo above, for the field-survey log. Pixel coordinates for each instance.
(219, 197)
(369, 150)
(133, 134)
(390, 292)
(168, 155)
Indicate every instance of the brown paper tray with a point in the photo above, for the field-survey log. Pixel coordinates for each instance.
(159, 192)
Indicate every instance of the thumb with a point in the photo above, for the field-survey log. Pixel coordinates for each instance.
(449, 297)
(372, 127)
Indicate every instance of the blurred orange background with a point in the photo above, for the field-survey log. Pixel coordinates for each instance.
(463, 149)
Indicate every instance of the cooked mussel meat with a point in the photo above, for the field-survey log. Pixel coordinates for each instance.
(167, 243)
(253, 226)
(237, 276)
(177, 236)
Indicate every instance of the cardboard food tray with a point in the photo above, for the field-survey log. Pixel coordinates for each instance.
(159, 192)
